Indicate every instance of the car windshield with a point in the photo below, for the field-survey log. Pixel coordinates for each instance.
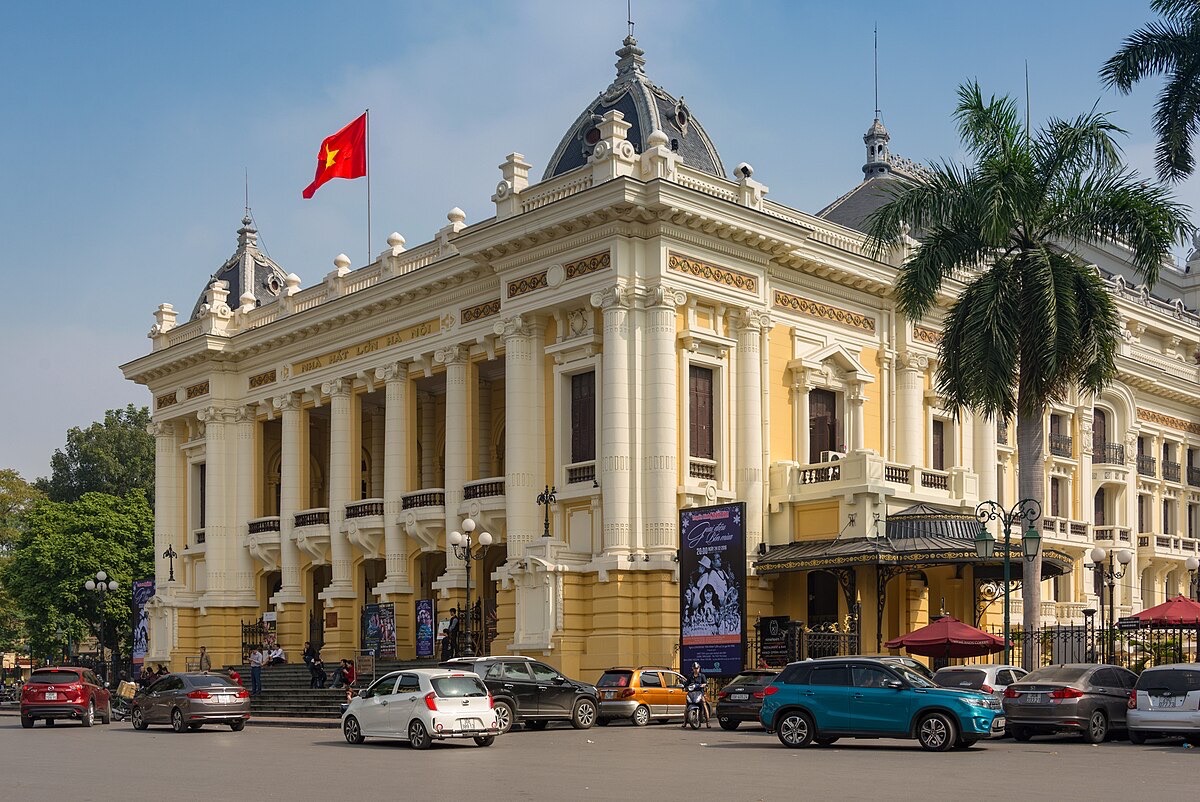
(53, 677)
(913, 678)
(1057, 674)
(210, 681)
(958, 678)
(1174, 681)
(751, 678)
(614, 679)
(450, 687)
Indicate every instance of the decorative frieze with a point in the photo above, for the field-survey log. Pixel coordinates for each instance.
(166, 400)
(833, 314)
(197, 390)
(479, 311)
(1150, 416)
(262, 379)
(929, 336)
(588, 264)
(414, 332)
(527, 284)
(743, 282)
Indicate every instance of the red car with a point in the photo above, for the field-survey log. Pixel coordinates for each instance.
(64, 692)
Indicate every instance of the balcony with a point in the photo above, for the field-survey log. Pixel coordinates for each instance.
(582, 473)
(862, 471)
(311, 533)
(261, 526)
(262, 540)
(1171, 471)
(198, 538)
(484, 488)
(434, 497)
(367, 508)
(1108, 453)
(1193, 476)
(1060, 445)
(1168, 546)
(1112, 534)
(195, 546)
(1064, 530)
(364, 526)
(702, 468)
(1147, 465)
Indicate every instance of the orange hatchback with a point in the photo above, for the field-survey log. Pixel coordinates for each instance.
(641, 694)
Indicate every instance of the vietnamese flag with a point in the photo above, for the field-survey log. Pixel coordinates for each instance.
(343, 155)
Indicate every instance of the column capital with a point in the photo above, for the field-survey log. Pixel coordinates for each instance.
(515, 326)
(452, 355)
(160, 428)
(662, 295)
(617, 296)
(751, 320)
(337, 387)
(288, 402)
(246, 413)
(911, 360)
(392, 372)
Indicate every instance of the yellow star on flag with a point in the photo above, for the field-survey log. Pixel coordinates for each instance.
(329, 156)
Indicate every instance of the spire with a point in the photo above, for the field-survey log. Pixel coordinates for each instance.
(630, 65)
(876, 137)
(247, 234)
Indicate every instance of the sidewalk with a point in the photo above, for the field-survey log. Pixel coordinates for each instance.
(255, 721)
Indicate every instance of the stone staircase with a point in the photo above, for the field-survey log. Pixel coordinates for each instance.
(286, 693)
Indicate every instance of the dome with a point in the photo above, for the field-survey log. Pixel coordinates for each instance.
(247, 271)
(646, 108)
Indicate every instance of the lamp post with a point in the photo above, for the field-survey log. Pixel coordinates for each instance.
(461, 542)
(1109, 577)
(101, 585)
(545, 499)
(1027, 509)
(1191, 564)
(171, 554)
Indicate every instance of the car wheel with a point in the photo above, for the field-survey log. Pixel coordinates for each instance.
(1137, 737)
(795, 729)
(728, 723)
(237, 726)
(641, 716)
(1097, 728)
(89, 718)
(602, 722)
(936, 732)
(504, 716)
(27, 722)
(485, 740)
(418, 736)
(352, 731)
(825, 741)
(195, 727)
(139, 719)
(177, 723)
(584, 714)
(536, 726)
(107, 717)
(1020, 733)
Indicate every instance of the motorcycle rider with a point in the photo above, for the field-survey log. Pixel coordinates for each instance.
(698, 682)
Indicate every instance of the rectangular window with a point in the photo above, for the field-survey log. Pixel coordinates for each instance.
(1141, 507)
(939, 445)
(583, 417)
(203, 492)
(823, 434)
(1055, 494)
(700, 400)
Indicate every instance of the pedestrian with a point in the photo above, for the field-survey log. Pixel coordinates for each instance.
(309, 653)
(205, 660)
(276, 656)
(344, 675)
(235, 677)
(316, 668)
(256, 664)
(452, 632)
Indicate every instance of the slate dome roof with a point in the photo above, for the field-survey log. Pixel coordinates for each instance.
(646, 107)
(249, 269)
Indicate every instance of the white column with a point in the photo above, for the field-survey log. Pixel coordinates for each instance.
(910, 415)
(521, 459)
(396, 480)
(166, 500)
(341, 460)
(800, 397)
(291, 475)
(242, 566)
(457, 438)
(984, 456)
(218, 490)
(749, 326)
(660, 423)
(856, 401)
(375, 480)
(428, 449)
(617, 421)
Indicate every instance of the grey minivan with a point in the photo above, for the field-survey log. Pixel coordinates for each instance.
(1166, 703)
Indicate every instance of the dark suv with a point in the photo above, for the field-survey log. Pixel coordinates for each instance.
(531, 693)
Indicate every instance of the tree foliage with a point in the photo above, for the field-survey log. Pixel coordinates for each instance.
(17, 497)
(114, 456)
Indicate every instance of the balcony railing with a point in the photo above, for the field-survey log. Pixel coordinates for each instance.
(1193, 476)
(1002, 433)
(365, 508)
(1108, 453)
(1060, 445)
(822, 473)
(199, 533)
(580, 473)
(1147, 465)
(937, 480)
(312, 518)
(702, 468)
(484, 488)
(260, 525)
(897, 473)
(1171, 471)
(1111, 534)
(425, 498)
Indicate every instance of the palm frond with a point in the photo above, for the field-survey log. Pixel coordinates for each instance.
(1177, 9)
(918, 203)
(988, 127)
(1064, 147)
(1150, 51)
(1176, 116)
(943, 251)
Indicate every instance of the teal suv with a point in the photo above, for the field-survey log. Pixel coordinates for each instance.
(847, 697)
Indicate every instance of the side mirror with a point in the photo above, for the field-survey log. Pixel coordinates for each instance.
(560, 680)
(106, 685)
(362, 694)
(894, 684)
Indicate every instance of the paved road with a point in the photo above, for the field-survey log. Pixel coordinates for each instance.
(613, 763)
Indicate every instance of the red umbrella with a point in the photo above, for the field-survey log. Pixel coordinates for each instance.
(1179, 610)
(948, 637)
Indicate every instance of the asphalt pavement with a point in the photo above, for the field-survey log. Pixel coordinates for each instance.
(618, 762)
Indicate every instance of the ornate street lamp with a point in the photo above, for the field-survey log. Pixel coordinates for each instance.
(1109, 577)
(1191, 564)
(545, 499)
(462, 545)
(101, 585)
(171, 554)
(1026, 509)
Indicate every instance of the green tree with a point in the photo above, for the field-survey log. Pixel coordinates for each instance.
(113, 457)
(63, 545)
(1169, 46)
(1033, 321)
(17, 497)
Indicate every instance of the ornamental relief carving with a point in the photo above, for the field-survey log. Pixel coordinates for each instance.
(588, 264)
(817, 309)
(197, 390)
(928, 336)
(261, 379)
(1150, 416)
(527, 284)
(166, 400)
(716, 274)
(479, 311)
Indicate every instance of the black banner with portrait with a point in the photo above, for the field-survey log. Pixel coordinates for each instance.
(712, 581)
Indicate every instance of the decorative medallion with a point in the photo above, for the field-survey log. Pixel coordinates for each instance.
(266, 377)
(1166, 420)
(197, 390)
(166, 400)
(743, 282)
(588, 264)
(480, 311)
(925, 335)
(831, 313)
(527, 284)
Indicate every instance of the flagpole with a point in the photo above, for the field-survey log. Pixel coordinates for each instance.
(368, 115)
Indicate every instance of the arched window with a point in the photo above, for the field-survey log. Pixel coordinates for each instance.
(1098, 514)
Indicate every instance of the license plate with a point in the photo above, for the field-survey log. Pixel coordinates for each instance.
(51, 695)
(1033, 698)
(468, 724)
(1167, 701)
(738, 697)
(998, 723)
(609, 694)
(225, 700)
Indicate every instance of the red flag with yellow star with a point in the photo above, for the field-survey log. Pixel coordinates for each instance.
(343, 155)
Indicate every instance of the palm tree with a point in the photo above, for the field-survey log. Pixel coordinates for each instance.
(1169, 46)
(1033, 321)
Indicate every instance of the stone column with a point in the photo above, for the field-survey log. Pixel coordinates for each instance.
(521, 458)
(166, 497)
(291, 475)
(856, 400)
(242, 567)
(800, 396)
(616, 425)
(218, 492)
(660, 424)
(484, 437)
(749, 326)
(984, 456)
(910, 414)
(378, 428)
(455, 358)
(396, 480)
(341, 461)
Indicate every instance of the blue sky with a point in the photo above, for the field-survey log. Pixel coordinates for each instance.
(128, 127)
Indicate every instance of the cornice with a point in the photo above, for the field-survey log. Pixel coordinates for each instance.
(803, 281)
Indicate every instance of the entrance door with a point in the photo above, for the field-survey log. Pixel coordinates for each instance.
(322, 575)
(822, 423)
(822, 599)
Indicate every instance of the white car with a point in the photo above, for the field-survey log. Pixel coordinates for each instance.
(421, 706)
(987, 677)
(1164, 703)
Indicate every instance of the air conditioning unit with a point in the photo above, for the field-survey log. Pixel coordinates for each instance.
(831, 456)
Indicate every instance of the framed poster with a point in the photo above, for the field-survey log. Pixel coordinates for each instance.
(424, 627)
(712, 579)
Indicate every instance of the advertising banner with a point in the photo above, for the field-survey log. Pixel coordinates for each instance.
(712, 573)
(143, 591)
(424, 627)
(387, 630)
(370, 628)
(772, 641)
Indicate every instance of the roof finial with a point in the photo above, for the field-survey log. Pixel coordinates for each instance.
(247, 169)
(876, 70)
(629, 15)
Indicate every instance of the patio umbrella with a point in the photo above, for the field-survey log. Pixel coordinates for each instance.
(948, 637)
(1179, 610)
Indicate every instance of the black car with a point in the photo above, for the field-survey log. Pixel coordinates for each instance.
(531, 693)
(741, 699)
